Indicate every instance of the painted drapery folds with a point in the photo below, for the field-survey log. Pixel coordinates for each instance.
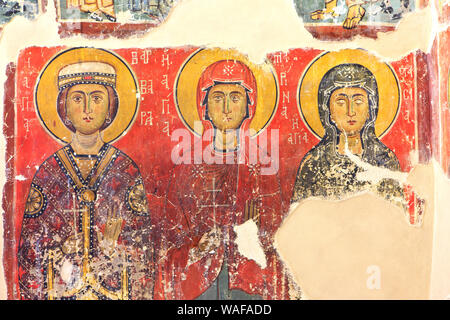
(139, 167)
(74, 246)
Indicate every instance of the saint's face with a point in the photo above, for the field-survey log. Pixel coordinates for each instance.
(349, 108)
(227, 106)
(87, 107)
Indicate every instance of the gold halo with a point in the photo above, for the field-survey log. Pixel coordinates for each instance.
(46, 93)
(388, 88)
(189, 75)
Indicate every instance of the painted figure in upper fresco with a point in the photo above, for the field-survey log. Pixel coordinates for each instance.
(97, 9)
(157, 9)
(206, 200)
(348, 103)
(86, 227)
(128, 10)
(10, 9)
(355, 10)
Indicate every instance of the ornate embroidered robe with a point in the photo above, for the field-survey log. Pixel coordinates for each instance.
(61, 253)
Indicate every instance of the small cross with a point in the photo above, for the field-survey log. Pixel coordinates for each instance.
(214, 192)
(214, 205)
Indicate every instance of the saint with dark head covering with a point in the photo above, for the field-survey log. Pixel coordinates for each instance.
(348, 107)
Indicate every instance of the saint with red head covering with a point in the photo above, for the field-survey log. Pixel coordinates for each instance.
(226, 101)
(206, 200)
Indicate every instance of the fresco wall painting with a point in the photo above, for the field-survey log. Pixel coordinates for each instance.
(148, 159)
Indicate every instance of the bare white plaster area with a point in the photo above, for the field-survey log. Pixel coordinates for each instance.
(364, 248)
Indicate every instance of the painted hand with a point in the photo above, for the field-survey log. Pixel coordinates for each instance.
(208, 242)
(354, 16)
(113, 227)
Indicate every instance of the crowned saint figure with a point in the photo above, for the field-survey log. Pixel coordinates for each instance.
(86, 231)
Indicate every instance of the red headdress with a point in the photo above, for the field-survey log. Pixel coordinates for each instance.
(226, 71)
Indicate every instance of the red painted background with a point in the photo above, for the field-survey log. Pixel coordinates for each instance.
(150, 146)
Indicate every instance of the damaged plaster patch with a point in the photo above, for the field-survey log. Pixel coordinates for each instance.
(373, 173)
(358, 248)
(248, 243)
(66, 271)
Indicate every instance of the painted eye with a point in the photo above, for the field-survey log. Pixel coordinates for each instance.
(217, 98)
(359, 101)
(77, 98)
(97, 99)
(341, 102)
(235, 98)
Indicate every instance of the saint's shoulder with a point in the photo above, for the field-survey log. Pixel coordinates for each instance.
(308, 162)
(123, 156)
(135, 196)
(36, 202)
(37, 198)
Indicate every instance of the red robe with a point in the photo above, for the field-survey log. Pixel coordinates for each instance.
(201, 196)
(61, 204)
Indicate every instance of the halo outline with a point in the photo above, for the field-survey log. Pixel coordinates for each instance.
(311, 63)
(119, 58)
(185, 63)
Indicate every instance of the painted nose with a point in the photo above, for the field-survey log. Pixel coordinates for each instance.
(226, 106)
(88, 106)
(350, 109)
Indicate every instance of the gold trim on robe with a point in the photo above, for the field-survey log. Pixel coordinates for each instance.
(90, 288)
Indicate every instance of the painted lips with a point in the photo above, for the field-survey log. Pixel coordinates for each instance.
(351, 122)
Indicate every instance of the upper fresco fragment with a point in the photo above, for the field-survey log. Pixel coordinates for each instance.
(443, 9)
(116, 17)
(11, 9)
(343, 19)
